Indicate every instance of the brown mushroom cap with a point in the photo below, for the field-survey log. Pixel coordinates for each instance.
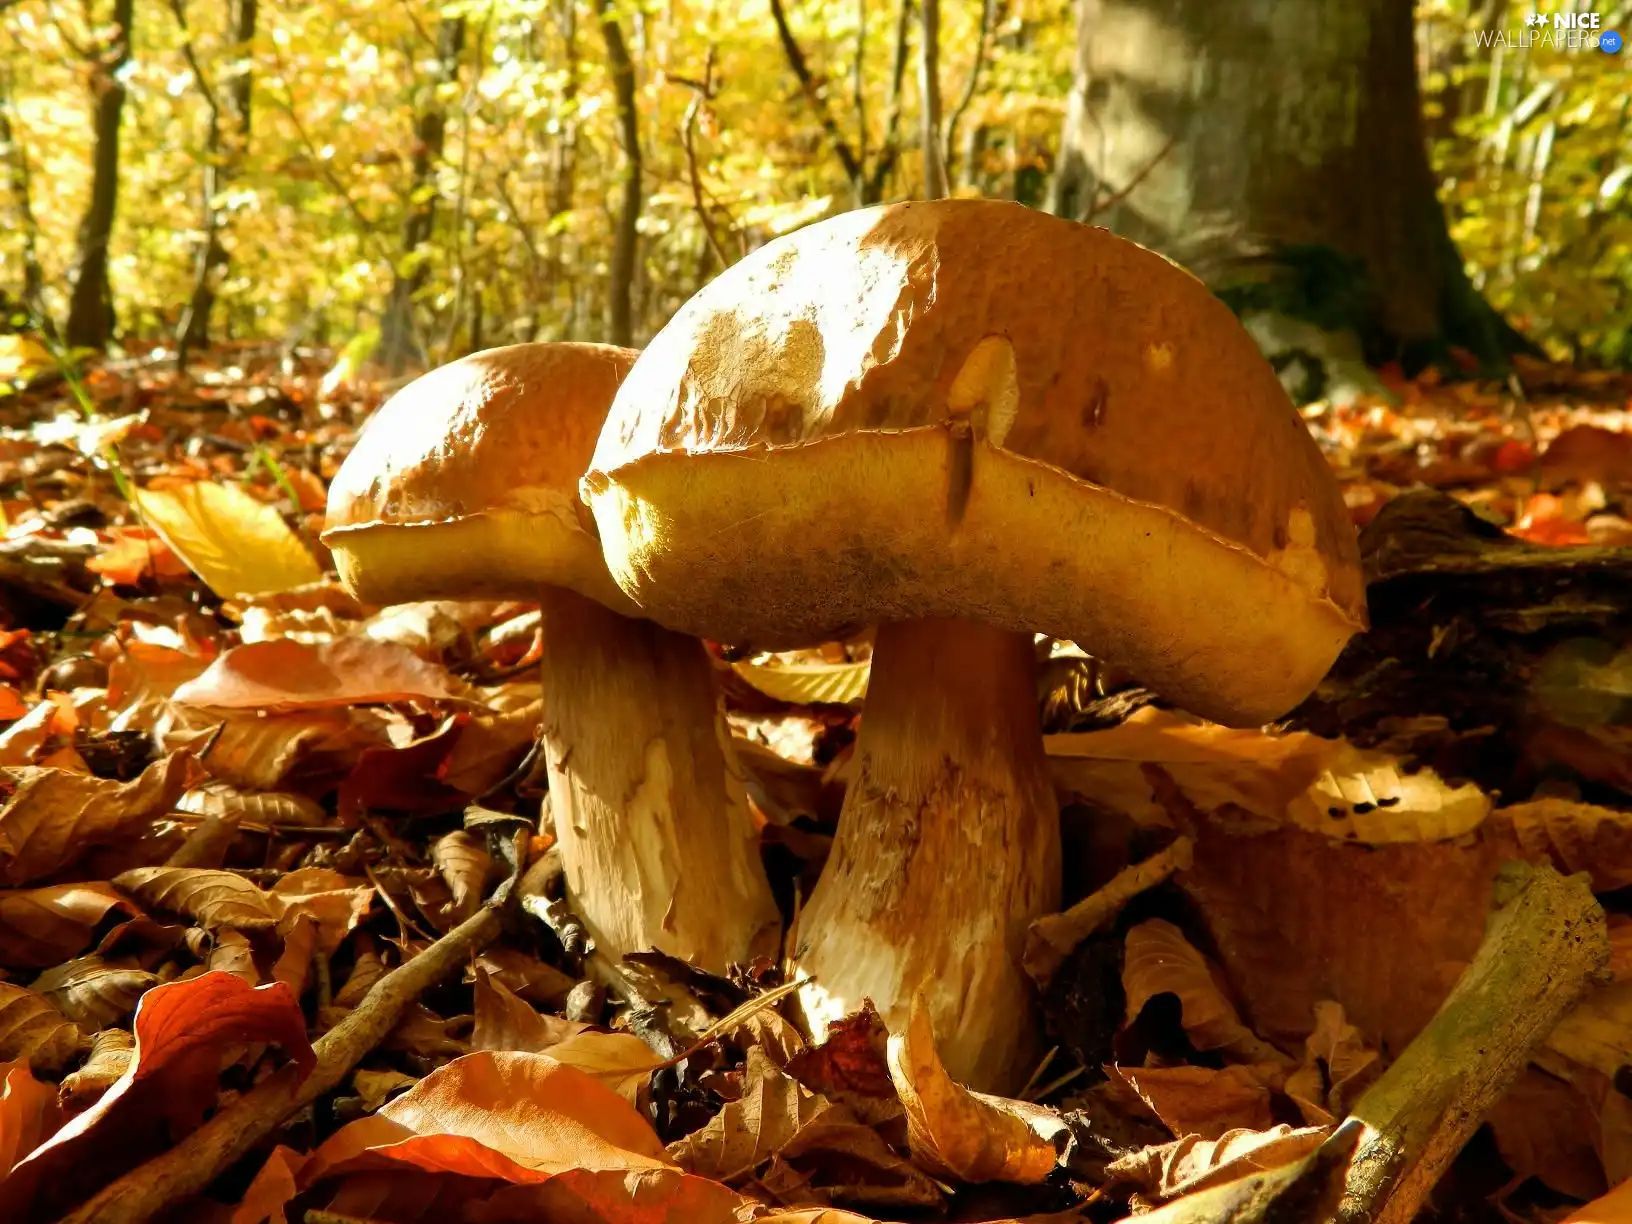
(465, 484)
(970, 409)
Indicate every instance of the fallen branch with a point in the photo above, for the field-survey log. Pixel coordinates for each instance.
(209, 1151)
(1540, 952)
(1054, 937)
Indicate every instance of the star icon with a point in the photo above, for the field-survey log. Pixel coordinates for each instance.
(1535, 19)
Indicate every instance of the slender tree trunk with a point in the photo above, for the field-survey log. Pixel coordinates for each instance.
(564, 183)
(625, 239)
(223, 160)
(1230, 134)
(929, 99)
(90, 305)
(15, 160)
(397, 342)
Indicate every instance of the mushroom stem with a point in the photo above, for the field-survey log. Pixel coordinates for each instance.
(948, 846)
(649, 804)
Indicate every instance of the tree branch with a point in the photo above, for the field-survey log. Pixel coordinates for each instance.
(890, 149)
(812, 90)
(988, 23)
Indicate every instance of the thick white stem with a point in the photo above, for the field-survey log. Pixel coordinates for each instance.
(948, 846)
(649, 804)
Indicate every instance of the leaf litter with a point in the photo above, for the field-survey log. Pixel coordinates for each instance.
(238, 804)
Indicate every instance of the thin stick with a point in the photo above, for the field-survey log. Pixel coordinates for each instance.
(200, 1158)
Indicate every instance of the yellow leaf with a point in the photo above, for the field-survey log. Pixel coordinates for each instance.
(22, 358)
(237, 545)
(808, 683)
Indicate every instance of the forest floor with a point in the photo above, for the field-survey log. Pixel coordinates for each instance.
(247, 972)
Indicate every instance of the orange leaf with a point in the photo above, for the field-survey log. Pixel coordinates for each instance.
(12, 705)
(41, 927)
(182, 1029)
(520, 1118)
(134, 553)
(28, 1113)
(285, 674)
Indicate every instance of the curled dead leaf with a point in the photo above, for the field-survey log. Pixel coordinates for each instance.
(267, 808)
(41, 927)
(504, 1021)
(1205, 1101)
(214, 899)
(1193, 1163)
(28, 1113)
(963, 1135)
(1160, 960)
(465, 865)
(111, 1053)
(34, 1031)
(54, 816)
(95, 994)
(1337, 1067)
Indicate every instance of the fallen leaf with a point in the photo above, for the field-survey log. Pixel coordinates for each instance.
(93, 993)
(1546, 1128)
(212, 898)
(963, 1135)
(1572, 836)
(134, 553)
(809, 682)
(525, 976)
(270, 808)
(287, 675)
(112, 1051)
(465, 864)
(182, 1030)
(334, 902)
(1160, 960)
(28, 1113)
(40, 927)
(239, 546)
(54, 816)
(1193, 1163)
(852, 1063)
(1614, 1208)
(32, 1030)
(1203, 1101)
(21, 742)
(748, 1132)
(621, 1061)
(521, 1118)
(1337, 1067)
(504, 1021)
(375, 1088)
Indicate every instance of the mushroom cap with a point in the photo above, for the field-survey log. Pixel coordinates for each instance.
(465, 483)
(967, 408)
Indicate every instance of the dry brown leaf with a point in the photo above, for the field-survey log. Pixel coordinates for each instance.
(336, 903)
(214, 899)
(1263, 781)
(1193, 1163)
(463, 860)
(744, 1135)
(253, 750)
(1545, 1128)
(92, 992)
(111, 1053)
(288, 675)
(421, 1031)
(29, 1113)
(492, 745)
(231, 952)
(963, 1135)
(505, 1021)
(525, 976)
(141, 678)
(294, 964)
(375, 1088)
(1572, 836)
(54, 816)
(223, 799)
(1204, 1101)
(1283, 911)
(1614, 1208)
(366, 968)
(1337, 1067)
(40, 927)
(1160, 960)
(182, 1030)
(621, 1061)
(851, 1067)
(32, 1030)
(21, 742)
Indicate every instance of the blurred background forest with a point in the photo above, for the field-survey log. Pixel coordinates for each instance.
(437, 178)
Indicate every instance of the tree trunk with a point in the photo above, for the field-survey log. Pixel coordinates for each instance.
(90, 306)
(397, 342)
(15, 159)
(564, 180)
(621, 276)
(220, 168)
(929, 99)
(1239, 136)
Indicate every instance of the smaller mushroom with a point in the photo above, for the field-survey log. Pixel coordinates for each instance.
(464, 486)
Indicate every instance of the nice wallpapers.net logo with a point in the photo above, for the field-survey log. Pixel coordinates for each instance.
(1555, 31)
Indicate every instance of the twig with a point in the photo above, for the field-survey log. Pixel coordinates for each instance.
(1054, 937)
(983, 42)
(204, 1155)
(702, 91)
(812, 90)
(1115, 198)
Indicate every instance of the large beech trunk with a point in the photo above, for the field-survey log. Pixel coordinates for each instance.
(1217, 129)
(90, 304)
(948, 846)
(649, 805)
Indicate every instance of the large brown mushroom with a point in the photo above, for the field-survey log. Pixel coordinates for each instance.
(464, 486)
(966, 421)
